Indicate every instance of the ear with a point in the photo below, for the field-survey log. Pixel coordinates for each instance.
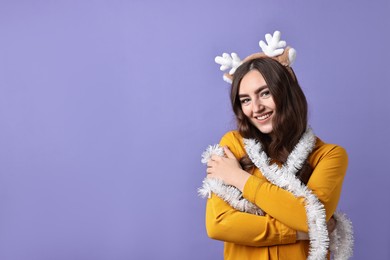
(228, 78)
(292, 54)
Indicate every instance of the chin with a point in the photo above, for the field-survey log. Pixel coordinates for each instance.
(266, 132)
(265, 129)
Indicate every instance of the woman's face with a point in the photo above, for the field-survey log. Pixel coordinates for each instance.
(256, 101)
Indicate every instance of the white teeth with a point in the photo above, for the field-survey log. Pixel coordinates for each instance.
(264, 116)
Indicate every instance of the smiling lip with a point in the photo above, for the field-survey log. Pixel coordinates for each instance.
(263, 117)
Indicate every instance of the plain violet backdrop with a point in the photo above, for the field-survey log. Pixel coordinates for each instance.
(107, 105)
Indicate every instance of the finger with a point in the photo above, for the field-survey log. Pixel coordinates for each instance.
(211, 163)
(228, 153)
(210, 176)
(215, 158)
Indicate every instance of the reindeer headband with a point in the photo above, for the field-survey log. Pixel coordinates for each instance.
(274, 48)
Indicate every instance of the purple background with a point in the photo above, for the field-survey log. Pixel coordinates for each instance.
(106, 106)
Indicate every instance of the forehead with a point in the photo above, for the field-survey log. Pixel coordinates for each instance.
(251, 82)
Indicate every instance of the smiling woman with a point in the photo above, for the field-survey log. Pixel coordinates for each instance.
(273, 186)
(278, 122)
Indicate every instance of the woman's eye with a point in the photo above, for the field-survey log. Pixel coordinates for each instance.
(265, 93)
(244, 101)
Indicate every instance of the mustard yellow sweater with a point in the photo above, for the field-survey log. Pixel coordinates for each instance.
(273, 236)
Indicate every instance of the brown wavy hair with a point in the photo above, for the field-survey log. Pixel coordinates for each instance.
(289, 121)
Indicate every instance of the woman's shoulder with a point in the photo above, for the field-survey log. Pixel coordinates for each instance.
(234, 141)
(232, 135)
(323, 150)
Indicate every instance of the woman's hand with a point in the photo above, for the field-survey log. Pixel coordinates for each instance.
(331, 225)
(227, 169)
(302, 235)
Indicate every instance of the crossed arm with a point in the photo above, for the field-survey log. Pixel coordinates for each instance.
(286, 219)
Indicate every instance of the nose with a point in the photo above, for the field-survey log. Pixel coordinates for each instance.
(257, 105)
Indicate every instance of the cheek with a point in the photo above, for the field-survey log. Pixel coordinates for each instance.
(246, 110)
(272, 104)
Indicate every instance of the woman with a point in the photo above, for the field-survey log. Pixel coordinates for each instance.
(270, 159)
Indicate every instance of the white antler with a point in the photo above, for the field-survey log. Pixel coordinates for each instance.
(228, 62)
(274, 46)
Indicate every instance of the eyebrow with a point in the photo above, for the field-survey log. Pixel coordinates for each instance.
(256, 91)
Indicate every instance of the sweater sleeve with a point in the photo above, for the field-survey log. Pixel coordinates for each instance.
(330, 165)
(228, 224)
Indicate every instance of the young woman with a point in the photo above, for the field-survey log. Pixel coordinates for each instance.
(278, 166)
